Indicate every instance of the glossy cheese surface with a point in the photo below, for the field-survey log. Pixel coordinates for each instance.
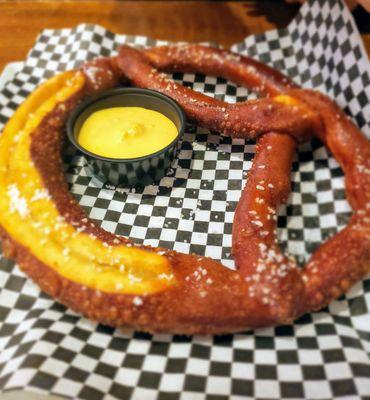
(126, 132)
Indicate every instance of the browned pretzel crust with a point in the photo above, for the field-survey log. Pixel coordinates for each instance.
(201, 296)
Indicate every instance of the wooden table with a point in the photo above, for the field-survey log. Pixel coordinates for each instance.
(222, 22)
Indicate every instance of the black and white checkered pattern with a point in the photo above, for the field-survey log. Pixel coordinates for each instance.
(325, 355)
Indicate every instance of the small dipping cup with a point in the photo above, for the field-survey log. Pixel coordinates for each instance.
(140, 171)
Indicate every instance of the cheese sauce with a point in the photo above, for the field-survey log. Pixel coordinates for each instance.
(126, 132)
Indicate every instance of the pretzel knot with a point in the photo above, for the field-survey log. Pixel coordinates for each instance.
(112, 280)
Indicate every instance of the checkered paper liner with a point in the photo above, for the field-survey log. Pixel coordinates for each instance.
(47, 348)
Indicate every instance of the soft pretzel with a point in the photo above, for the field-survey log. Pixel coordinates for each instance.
(112, 280)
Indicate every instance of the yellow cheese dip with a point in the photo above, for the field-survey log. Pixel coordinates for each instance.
(126, 132)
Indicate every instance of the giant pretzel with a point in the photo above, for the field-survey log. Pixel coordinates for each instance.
(112, 280)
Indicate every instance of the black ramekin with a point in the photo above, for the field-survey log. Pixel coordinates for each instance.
(138, 171)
